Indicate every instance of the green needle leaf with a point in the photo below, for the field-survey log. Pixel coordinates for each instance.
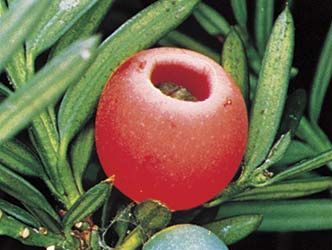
(240, 12)
(263, 22)
(26, 235)
(4, 90)
(15, 25)
(23, 191)
(284, 216)
(87, 204)
(303, 167)
(233, 229)
(322, 79)
(234, 61)
(18, 213)
(287, 190)
(19, 158)
(59, 18)
(294, 109)
(142, 31)
(85, 26)
(271, 91)
(211, 20)
(15, 67)
(81, 152)
(42, 90)
(296, 151)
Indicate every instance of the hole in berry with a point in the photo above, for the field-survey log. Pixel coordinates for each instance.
(181, 81)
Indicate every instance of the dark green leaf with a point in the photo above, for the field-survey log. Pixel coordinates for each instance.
(303, 167)
(233, 229)
(50, 223)
(88, 203)
(240, 12)
(139, 32)
(18, 213)
(26, 235)
(296, 151)
(18, 157)
(263, 22)
(287, 189)
(294, 109)
(322, 78)
(271, 91)
(283, 216)
(211, 20)
(23, 191)
(81, 152)
(4, 90)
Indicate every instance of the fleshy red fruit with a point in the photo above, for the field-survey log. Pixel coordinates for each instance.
(181, 153)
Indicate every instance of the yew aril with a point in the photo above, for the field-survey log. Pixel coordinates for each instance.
(181, 153)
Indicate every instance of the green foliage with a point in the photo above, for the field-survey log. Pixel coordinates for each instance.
(54, 101)
(236, 228)
(271, 91)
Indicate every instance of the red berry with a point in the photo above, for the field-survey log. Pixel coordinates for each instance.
(181, 153)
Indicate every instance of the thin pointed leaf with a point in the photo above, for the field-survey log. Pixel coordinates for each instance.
(276, 153)
(81, 152)
(271, 91)
(18, 213)
(263, 22)
(179, 39)
(16, 24)
(322, 78)
(143, 30)
(47, 221)
(16, 65)
(64, 15)
(23, 191)
(240, 12)
(287, 190)
(87, 204)
(18, 109)
(284, 216)
(85, 26)
(296, 151)
(294, 109)
(19, 158)
(211, 20)
(26, 235)
(4, 90)
(233, 229)
(234, 61)
(313, 136)
(302, 167)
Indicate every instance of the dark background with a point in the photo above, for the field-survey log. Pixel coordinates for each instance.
(312, 20)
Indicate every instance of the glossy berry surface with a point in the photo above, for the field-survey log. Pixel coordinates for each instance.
(181, 153)
(185, 236)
